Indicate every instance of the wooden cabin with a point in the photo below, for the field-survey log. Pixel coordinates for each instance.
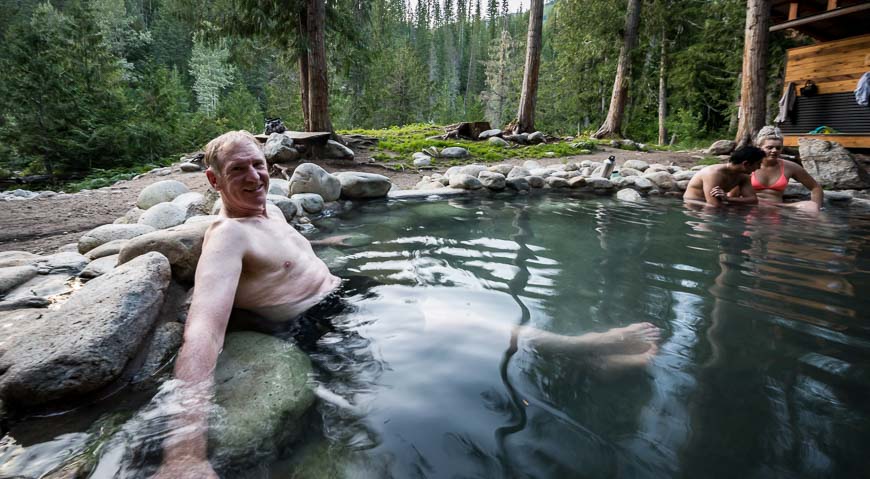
(835, 63)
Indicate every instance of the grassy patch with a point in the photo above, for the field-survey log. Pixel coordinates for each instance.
(99, 178)
(709, 160)
(408, 139)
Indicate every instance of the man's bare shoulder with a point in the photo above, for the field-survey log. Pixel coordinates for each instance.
(711, 170)
(226, 230)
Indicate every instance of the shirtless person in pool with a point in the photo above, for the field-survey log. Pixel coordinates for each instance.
(711, 185)
(253, 260)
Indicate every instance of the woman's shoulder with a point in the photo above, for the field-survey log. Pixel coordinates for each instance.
(791, 167)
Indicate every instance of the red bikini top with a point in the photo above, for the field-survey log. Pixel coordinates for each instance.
(779, 185)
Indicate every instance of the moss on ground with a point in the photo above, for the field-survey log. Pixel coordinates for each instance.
(397, 144)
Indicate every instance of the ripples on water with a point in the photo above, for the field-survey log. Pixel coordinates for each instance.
(763, 368)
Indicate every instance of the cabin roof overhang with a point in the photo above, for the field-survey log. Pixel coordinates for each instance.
(823, 20)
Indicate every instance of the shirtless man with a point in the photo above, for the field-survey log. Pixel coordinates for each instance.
(711, 185)
(254, 261)
(251, 259)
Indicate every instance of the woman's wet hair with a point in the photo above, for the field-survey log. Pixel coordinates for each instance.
(214, 149)
(749, 154)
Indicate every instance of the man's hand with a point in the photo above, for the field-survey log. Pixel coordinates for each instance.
(186, 469)
(718, 192)
(331, 241)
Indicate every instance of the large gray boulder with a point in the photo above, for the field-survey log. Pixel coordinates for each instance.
(489, 134)
(279, 149)
(165, 341)
(662, 179)
(497, 141)
(465, 182)
(473, 170)
(263, 392)
(309, 202)
(99, 267)
(181, 244)
(337, 151)
(638, 165)
(130, 217)
(106, 249)
(721, 147)
(454, 152)
(286, 205)
(518, 172)
(166, 190)
(279, 186)
(163, 215)
(192, 203)
(91, 337)
(310, 178)
(356, 185)
(17, 258)
(832, 165)
(14, 276)
(104, 234)
(41, 286)
(492, 180)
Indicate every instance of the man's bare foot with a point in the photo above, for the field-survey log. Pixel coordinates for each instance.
(622, 362)
(632, 339)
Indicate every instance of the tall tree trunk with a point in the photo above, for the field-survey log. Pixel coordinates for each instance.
(613, 123)
(735, 112)
(752, 90)
(318, 82)
(526, 114)
(303, 70)
(663, 94)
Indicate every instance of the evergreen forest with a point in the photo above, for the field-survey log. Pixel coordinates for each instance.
(106, 84)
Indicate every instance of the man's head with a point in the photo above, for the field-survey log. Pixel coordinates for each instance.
(215, 150)
(748, 158)
(237, 169)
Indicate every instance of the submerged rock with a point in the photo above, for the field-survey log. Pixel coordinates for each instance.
(628, 194)
(92, 337)
(261, 386)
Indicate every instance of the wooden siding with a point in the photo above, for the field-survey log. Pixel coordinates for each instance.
(834, 66)
(839, 111)
(848, 141)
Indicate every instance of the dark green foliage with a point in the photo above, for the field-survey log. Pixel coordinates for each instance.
(61, 93)
(100, 84)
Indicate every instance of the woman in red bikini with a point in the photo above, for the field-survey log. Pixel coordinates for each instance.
(771, 179)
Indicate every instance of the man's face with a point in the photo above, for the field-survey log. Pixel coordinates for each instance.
(243, 180)
(749, 167)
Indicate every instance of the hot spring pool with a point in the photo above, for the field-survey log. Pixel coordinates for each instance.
(763, 368)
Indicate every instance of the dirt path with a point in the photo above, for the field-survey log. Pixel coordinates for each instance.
(42, 225)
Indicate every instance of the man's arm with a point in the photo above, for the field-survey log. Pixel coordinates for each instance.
(217, 277)
(713, 193)
(747, 193)
(800, 174)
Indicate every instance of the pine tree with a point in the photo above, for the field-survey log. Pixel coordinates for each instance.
(61, 93)
(210, 71)
(501, 70)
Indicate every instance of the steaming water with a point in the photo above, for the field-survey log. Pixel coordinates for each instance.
(763, 369)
